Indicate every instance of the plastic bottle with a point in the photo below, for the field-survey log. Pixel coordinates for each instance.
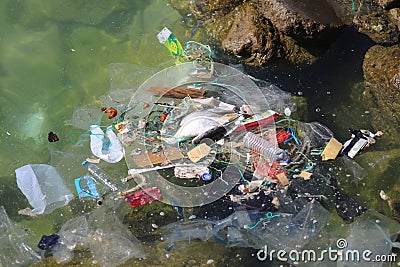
(100, 176)
(263, 147)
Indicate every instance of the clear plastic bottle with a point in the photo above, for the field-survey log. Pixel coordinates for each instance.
(262, 146)
(100, 176)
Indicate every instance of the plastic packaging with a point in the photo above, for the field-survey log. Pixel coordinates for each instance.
(100, 176)
(144, 197)
(48, 242)
(108, 147)
(263, 147)
(111, 243)
(13, 249)
(43, 187)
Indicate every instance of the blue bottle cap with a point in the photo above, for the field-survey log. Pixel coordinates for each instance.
(288, 160)
(206, 176)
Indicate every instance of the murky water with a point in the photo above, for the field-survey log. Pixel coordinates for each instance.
(54, 56)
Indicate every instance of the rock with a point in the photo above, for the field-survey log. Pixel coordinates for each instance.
(258, 31)
(254, 38)
(394, 16)
(378, 27)
(382, 94)
(387, 3)
(298, 19)
(247, 37)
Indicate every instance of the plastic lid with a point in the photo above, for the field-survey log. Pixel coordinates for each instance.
(206, 176)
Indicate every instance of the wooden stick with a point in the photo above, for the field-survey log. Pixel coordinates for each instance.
(177, 92)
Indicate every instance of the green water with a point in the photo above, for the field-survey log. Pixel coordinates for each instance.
(54, 56)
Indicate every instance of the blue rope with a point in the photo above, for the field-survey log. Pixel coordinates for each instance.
(268, 216)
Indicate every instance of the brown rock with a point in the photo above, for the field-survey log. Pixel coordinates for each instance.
(298, 18)
(378, 27)
(254, 38)
(394, 16)
(387, 3)
(382, 81)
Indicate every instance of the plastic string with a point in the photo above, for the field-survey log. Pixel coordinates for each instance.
(268, 216)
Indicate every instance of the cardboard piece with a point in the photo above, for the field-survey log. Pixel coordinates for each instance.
(305, 175)
(283, 180)
(147, 159)
(331, 150)
(199, 152)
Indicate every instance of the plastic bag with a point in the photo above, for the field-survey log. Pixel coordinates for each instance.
(111, 243)
(13, 250)
(108, 147)
(43, 187)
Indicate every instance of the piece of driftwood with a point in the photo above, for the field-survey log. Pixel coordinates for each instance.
(177, 92)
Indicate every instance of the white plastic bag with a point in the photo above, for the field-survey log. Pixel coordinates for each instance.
(106, 147)
(43, 187)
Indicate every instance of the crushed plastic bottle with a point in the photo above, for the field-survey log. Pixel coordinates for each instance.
(100, 176)
(263, 147)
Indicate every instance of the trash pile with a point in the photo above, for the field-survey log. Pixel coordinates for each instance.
(197, 134)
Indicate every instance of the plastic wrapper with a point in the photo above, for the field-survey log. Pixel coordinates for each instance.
(43, 187)
(314, 133)
(110, 242)
(14, 251)
(106, 147)
(255, 229)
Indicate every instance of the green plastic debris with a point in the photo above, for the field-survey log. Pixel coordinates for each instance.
(167, 38)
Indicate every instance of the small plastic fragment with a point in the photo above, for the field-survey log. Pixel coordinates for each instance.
(144, 197)
(48, 242)
(331, 150)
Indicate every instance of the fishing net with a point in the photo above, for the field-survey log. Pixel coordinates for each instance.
(225, 88)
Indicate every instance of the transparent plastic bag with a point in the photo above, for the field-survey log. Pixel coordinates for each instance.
(43, 187)
(106, 147)
(111, 243)
(13, 249)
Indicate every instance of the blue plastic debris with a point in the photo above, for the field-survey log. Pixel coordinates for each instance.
(86, 187)
(47, 242)
(206, 177)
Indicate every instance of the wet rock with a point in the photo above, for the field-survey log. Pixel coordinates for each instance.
(382, 95)
(246, 37)
(387, 3)
(378, 27)
(394, 16)
(298, 19)
(246, 33)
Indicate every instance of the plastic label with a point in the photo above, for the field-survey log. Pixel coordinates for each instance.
(167, 38)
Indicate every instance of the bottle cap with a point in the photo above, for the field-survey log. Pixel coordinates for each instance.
(206, 176)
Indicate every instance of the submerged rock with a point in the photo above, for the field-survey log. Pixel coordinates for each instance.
(382, 82)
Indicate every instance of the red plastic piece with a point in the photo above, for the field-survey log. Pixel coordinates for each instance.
(259, 123)
(265, 169)
(282, 136)
(143, 197)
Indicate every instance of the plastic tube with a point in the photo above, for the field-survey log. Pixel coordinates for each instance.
(263, 147)
(100, 176)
